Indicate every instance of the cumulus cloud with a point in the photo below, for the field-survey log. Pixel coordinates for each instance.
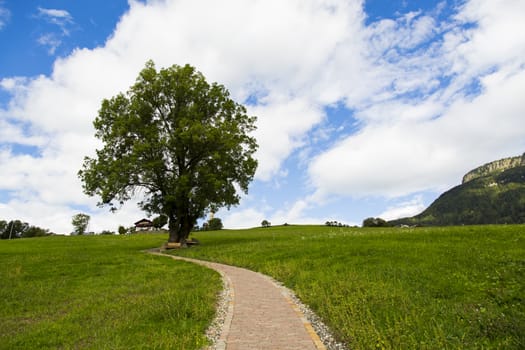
(283, 123)
(418, 137)
(14, 134)
(400, 157)
(496, 37)
(406, 81)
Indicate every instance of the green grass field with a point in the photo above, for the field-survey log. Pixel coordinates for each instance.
(101, 292)
(423, 288)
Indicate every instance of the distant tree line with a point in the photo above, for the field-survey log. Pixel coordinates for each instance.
(335, 224)
(19, 229)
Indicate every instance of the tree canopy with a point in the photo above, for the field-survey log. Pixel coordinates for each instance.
(80, 223)
(13, 229)
(375, 222)
(179, 141)
(214, 224)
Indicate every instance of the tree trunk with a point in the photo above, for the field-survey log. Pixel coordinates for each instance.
(173, 225)
(179, 228)
(186, 227)
(180, 222)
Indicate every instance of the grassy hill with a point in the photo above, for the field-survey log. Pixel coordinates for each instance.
(496, 197)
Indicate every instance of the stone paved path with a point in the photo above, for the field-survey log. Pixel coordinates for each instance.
(261, 315)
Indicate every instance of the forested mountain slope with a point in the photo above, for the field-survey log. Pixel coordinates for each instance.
(491, 194)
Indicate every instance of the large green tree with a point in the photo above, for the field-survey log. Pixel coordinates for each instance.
(179, 141)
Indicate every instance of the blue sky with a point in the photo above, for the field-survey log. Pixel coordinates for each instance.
(365, 108)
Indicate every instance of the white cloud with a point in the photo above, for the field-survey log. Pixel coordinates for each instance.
(14, 134)
(397, 157)
(407, 32)
(404, 209)
(5, 15)
(281, 128)
(298, 212)
(427, 141)
(54, 13)
(496, 39)
(239, 219)
(57, 218)
(61, 18)
(51, 40)
(12, 83)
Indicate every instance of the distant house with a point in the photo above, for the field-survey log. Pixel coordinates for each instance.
(144, 225)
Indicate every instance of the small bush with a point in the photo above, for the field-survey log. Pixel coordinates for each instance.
(375, 222)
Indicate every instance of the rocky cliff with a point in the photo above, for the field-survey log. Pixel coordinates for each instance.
(494, 167)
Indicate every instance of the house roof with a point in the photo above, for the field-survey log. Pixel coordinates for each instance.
(144, 223)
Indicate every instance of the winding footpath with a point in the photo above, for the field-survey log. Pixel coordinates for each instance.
(261, 314)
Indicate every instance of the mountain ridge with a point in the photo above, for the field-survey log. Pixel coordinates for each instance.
(493, 193)
(494, 166)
